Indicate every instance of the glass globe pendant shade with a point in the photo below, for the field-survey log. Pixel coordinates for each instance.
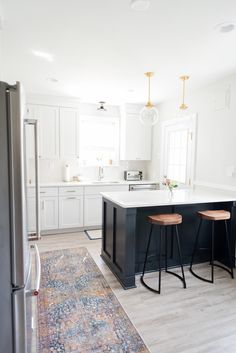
(149, 115)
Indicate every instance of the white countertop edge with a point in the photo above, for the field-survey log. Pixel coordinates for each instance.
(94, 183)
(162, 197)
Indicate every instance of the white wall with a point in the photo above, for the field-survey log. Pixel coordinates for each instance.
(215, 106)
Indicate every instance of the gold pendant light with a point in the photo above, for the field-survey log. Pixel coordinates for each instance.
(149, 114)
(184, 79)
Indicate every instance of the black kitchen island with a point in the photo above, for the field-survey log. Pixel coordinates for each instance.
(125, 228)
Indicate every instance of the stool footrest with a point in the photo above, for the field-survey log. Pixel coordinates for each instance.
(171, 273)
(199, 277)
(226, 269)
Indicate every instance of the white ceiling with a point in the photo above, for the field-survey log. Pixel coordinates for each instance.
(101, 48)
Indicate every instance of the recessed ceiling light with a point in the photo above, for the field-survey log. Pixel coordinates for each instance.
(52, 79)
(225, 27)
(139, 5)
(43, 55)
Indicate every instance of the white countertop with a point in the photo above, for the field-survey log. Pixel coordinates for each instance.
(135, 199)
(94, 183)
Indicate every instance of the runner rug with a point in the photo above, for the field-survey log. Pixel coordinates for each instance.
(78, 312)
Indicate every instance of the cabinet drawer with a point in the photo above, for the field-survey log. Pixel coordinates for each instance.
(48, 192)
(45, 191)
(66, 191)
(95, 190)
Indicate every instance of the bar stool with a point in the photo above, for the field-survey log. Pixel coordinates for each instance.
(163, 220)
(213, 216)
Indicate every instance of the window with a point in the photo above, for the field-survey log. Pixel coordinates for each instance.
(99, 140)
(178, 149)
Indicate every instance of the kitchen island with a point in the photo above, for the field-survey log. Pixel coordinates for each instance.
(125, 228)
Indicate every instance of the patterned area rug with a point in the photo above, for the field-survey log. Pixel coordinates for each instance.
(78, 312)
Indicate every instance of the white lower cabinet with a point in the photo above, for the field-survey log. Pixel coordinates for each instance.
(93, 210)
(49, 213)
(70, 211)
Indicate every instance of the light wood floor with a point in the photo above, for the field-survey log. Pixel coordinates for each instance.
(199, 319)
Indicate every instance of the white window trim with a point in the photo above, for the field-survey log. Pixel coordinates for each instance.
(192, 121)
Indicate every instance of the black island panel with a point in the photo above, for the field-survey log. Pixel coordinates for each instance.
(126, 230)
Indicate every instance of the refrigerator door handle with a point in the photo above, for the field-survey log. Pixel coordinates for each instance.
(37, 235)
(35, 291)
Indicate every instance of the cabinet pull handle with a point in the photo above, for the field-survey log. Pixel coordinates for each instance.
(42, 192)
(71, 198)
(70, 191)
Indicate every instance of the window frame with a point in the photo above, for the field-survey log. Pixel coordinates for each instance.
(102, 119)
(189, 123)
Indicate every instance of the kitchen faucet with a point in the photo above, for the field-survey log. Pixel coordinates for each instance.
(100, 173)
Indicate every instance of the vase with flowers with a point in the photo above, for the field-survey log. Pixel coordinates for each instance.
(170, 184)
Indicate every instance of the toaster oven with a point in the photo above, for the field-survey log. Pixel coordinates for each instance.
(133, 175)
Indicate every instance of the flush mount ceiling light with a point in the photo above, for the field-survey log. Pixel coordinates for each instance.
(139, 5)
(183, 105)
(149, 114)
(225, 27)
(43, 55)
(101, 106)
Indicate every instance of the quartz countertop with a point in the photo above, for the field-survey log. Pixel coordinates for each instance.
(152, 198)
(94, 183)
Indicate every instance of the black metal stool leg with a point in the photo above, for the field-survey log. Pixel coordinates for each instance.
(212, 251)
(160, 255)
(229, 250)
(146, 256)
(166, 254)
(180, 256)
(194, 253)
(195, 244)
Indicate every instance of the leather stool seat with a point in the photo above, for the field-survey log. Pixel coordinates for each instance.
(215, 215)
(167, 219)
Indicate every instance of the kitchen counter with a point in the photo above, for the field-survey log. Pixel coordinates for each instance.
(164, 198)
(125, 228)
(94, 183)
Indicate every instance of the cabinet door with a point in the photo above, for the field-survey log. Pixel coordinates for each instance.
(137, 139)
(70, 211)
(48, 132)
(31, 214)
(93, 210)
(69, 133)
(49, 213)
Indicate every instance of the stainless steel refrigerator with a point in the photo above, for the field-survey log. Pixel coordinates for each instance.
(19, 261)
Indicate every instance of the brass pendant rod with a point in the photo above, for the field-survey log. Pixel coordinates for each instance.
(149, 88)
(183, 92)
(183, 105)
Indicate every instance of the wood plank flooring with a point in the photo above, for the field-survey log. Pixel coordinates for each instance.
(199, 319)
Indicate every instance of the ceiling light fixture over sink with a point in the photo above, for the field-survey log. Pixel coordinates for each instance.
(101, 106)
(149, 113)
(139, 5)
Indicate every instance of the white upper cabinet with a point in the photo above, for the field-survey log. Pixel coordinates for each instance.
(48, 132)
(69, 133)
(136, 138)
